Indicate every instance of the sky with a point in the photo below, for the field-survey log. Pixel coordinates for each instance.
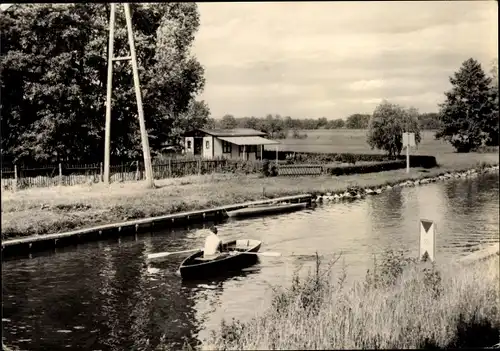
(333, 59)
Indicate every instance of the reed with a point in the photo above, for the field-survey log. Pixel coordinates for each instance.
(401, 304)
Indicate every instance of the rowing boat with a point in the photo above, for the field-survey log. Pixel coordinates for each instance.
(236, 255)
(266, 209)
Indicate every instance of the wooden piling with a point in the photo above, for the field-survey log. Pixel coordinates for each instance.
(14, 186)
(60, 174)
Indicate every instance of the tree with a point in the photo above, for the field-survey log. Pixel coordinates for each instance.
(274, 127)
(252, 123)
(469, 116)
(494, 73)
(322, 122)
(228, 122)
(196, 116)
(493, 129)
(357, 121)
(387, 125)
(288, 123)
(54, 73)
(338, 123)
(429, 121)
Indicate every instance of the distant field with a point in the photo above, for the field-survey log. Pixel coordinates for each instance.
(354, 141)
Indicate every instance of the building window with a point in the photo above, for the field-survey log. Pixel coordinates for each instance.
(189, 144)
(207, 144)
(226, 147)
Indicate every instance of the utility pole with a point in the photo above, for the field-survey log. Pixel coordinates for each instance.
(107, 136)
(140, 112)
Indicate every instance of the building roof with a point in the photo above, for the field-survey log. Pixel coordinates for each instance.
(232, 132)
(248, 140)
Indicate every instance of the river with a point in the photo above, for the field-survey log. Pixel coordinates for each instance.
(102, 296)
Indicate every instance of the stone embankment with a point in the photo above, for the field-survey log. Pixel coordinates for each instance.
(358, 193)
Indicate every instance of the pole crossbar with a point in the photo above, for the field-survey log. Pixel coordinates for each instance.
(122, 58)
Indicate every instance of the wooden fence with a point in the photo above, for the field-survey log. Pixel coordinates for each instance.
(18, 177)
(300, 170)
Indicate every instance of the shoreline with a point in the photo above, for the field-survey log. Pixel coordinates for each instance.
(33, 243)
(44, 211)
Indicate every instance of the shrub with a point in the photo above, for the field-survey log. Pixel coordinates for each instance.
(366, 168)
(268, 169)
(265, 168)
(421, 161)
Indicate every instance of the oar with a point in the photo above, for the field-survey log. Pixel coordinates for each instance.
(265, 253)
(159, 255)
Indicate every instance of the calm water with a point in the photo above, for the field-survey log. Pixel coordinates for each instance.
(101, 296)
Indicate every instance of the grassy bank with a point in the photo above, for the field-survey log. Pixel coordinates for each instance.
(58, 209)
(401, 304)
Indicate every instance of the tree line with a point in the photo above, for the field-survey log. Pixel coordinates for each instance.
(278, 126)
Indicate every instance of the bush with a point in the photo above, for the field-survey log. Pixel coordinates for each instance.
(322, 158)
(243, 166)
(268, 169)
(326, 158)
(366, 168)
(423, 161)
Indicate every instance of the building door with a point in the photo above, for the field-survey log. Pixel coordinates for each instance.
(198, 146)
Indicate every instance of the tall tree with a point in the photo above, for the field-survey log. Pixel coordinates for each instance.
(54, 72)
(468, 116)
(494, 73)
(493, 128)
(387, 125)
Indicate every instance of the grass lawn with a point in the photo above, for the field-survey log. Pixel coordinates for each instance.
(404, 305)
(57, 209)
(354, 141)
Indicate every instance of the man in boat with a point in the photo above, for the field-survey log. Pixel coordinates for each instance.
(213, 244)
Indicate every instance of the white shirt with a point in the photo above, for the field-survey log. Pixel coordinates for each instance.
(212, 242)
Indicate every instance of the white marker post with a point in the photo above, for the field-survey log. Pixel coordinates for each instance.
(427, 239)
(408, 141)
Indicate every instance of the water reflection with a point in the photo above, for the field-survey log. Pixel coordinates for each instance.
(103, 295)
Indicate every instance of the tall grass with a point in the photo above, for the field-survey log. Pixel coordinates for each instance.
(401, 304)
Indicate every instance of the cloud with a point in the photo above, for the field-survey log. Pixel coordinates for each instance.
(336, 58)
